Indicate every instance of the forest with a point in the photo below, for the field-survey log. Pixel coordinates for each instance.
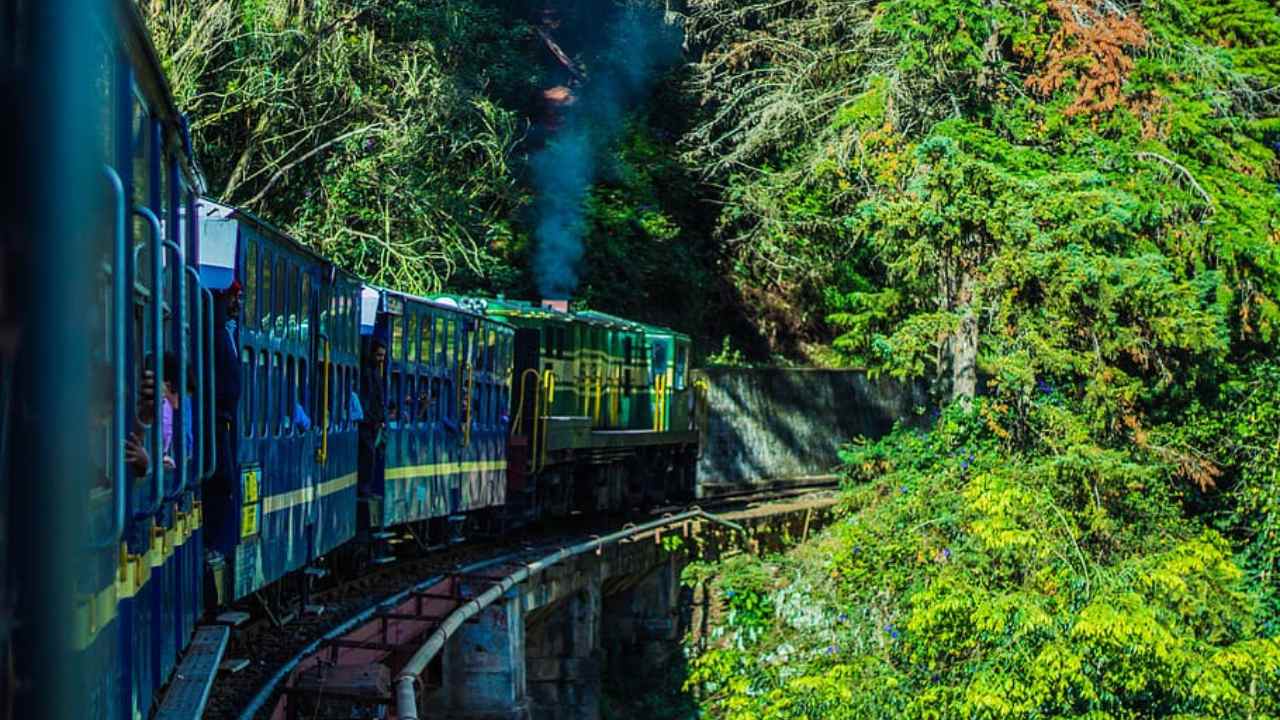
(1063, 214)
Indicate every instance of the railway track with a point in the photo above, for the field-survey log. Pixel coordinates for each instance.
(269, 643)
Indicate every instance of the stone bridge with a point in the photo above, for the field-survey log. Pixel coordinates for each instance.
(538, 651)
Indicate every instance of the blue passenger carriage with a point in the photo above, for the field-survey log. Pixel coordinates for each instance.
(138, 591)
(297, 340)
(448, 380)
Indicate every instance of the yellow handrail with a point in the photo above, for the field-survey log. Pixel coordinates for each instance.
(657, 403)
(519, 416)
(549, 396)
(595, 416)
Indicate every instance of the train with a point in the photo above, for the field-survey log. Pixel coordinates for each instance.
(496, 413)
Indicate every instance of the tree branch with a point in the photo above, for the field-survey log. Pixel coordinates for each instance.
(307, 156)
(1208, 201)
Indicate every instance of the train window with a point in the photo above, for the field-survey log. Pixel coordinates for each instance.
(164, 184)
(304, 385)
(264, 294)
(411, 337)
(393, 400)
(277, 393)
(287, 396)
(294, 300)
(409, 400)
(424, 341)
(304, 310)
(337, 400)
(140, 129)
(397, 340)
(282, 283)
(438, 343)
(246, 391)
(105, 80)
(451, 343)
(250, 313)
(682, 359)
(261, 409)
(626, 350)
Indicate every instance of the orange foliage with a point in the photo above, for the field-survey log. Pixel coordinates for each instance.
(1092, 47)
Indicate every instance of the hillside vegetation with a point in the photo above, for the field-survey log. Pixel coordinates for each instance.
(1067, 215)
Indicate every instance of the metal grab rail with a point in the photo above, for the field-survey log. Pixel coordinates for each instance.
(406, 696)
(519, 416)
(211, 411)
(179, 422)
(548, 402)
(157, 354)
(199, 417)
(119, 394)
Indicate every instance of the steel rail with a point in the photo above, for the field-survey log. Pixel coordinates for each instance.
(406, 693)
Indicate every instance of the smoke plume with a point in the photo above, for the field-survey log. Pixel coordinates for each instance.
(626, 50)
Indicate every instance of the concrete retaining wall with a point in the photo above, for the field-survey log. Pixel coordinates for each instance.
(782, 424)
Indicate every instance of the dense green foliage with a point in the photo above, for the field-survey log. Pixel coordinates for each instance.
(372, 131)
(969, 579)
(1077, 203)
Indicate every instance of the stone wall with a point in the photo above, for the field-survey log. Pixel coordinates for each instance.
(784, 424)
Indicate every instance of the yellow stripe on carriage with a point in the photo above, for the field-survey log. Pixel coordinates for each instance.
(444, 468)
(286, 500)
(95, 611)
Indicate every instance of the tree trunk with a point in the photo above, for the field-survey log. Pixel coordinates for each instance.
(957, 376)
(964, 344)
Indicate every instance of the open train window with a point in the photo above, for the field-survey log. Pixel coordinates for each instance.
(288, 396)
(251, 280)
(337, 400)
(394, 397)
(282, 284)
(396, 328)
(411, 337)
(451, 343)
(277, 393)
(682, 362)
(263, 367)
(425, 352)
(294, 300)
(246, 391)
(264, 300)
(304, 310)
(437, 342)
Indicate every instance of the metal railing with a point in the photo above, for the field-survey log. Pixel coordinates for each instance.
(406, 693)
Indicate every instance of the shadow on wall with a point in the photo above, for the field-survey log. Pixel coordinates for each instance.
(784, 424)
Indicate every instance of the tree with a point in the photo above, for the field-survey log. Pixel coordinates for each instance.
(367, 128)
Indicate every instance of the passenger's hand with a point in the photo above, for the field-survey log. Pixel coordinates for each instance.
(135, 455)
(169, 464)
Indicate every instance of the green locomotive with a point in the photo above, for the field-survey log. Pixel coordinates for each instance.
(603, 414)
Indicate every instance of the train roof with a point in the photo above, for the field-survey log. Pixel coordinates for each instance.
(648, 328)
(155, 84)
(507, 307)
(442, 302)
(231, 212)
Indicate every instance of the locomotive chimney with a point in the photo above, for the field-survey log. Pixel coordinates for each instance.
(557, 305)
